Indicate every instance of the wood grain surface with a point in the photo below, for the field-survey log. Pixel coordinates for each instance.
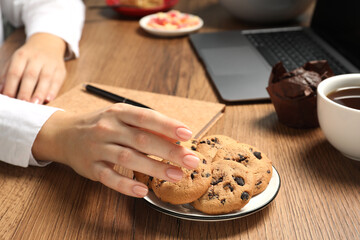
(319, 196)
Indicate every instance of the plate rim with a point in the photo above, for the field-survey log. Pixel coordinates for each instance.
(222, 217)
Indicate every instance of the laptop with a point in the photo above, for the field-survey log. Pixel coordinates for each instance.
(239, 63)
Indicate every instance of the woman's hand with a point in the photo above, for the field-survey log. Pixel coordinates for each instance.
(36, 71)
(121, 134)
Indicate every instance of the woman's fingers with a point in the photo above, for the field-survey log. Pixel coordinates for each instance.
(3, 76)
(36, 70)
(118, 132)
(12, 74)
(132, 159)
(56, 83)
(42, 89)
(110, 178)
(152, 121)
(123, 135)
(29, 80)
(149, 143)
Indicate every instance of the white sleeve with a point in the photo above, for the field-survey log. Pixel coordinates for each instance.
(20, 122)
(62, 18)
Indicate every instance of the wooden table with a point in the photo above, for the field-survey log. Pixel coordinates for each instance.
(320, 189)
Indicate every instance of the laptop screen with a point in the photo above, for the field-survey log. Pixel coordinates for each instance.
(339, 23)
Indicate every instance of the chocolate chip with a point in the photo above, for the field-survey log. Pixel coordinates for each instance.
(241, 157)
(151, 178)
(193, 148)
(202, 142)
(258, 155)
(229, 186)
(258, 183)
(227, 158)
(216, 140)
(245, 196)
(178, 143)
(212, 195)
(193, 141)
(239, 180)
(223, 201)
(193, 174)
(208, 142)
(268, 171)
(204, 174)
(204, 161)
(215, 182)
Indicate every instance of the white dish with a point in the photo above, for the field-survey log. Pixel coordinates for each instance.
(187, 212)
(168, 33)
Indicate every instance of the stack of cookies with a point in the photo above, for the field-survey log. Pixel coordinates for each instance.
(228, 175)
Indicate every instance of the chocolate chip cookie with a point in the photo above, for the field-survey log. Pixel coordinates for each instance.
(231, 189)
(193, 185)
(252, 158)
(208, 146)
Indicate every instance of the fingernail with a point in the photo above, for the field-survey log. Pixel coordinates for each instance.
(183, 133)
(36, 100)
(174, 174)
(191, 161)
(49, 98)
(140, 191)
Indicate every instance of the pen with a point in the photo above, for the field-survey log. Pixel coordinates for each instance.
(111, 96)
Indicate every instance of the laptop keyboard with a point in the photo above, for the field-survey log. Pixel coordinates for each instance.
(293, 49)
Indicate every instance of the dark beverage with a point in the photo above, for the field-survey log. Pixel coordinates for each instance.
(349, 96)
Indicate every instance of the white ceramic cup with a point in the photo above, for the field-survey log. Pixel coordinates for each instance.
(340, 124)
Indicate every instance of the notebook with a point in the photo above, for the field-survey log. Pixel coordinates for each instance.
(239, 62)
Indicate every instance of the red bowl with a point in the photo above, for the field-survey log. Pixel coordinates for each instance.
(139, 12)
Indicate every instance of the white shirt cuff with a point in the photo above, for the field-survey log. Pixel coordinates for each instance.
(20, 122)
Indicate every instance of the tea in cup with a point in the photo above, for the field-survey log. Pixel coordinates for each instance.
(338, 108)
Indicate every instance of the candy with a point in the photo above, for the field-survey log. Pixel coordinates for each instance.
(173, 20)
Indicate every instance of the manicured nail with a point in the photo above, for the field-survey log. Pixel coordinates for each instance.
(191, 161)
(140, 191)
(174, 174)
(183, 133)
(49, 98)
(36, 101)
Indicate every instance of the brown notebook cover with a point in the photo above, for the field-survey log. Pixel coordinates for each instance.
(198, 115)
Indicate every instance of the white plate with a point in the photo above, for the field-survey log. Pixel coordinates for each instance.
(186, 211)
(168, 33)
